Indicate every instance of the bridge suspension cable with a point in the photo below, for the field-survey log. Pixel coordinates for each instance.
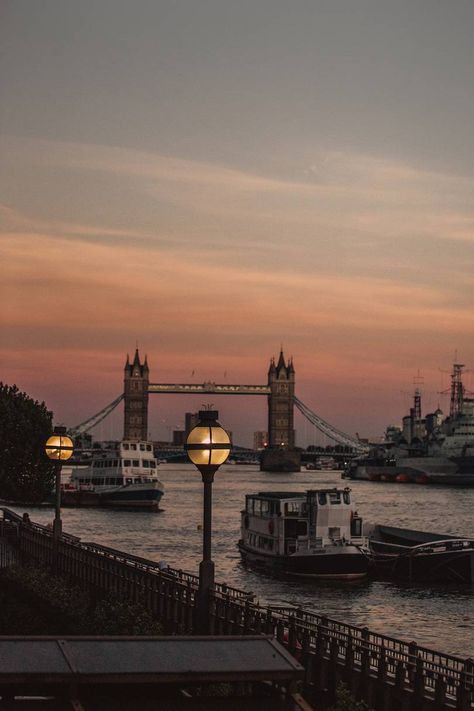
(95, 419)
(329, 430)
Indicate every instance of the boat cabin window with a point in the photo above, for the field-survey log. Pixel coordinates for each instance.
(148, 448)
(264, 507)
(334, 497)
(145, 463)
(127, 463)
(128, 480)
(136, 463)
(142, 448)
(334, 532)
(322, 498)
(133, 446)
(125, 446)
(152, 463)
(292, 508)
(347, 497)
(138, 480)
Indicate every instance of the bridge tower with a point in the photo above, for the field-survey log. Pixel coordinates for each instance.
(135, 388)
(281, 380)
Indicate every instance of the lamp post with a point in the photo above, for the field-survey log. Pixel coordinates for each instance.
(207, 446)
(59, 448)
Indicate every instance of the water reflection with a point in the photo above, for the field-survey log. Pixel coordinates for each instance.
(437, 616)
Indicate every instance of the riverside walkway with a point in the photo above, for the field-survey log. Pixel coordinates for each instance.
(389, 674)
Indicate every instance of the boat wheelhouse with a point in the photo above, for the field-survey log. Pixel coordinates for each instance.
(121, 474)
(317, 533)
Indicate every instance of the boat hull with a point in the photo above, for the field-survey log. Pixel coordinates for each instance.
(339, 563)
(130, 497)
(444, 567)
(127, 497)
(419, 556)
(450, 471)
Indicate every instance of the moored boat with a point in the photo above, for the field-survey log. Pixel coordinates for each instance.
(420, 556)
(122, 475)
(429, 450)
(315, 534)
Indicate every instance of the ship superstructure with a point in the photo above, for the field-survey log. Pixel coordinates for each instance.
(433, 449)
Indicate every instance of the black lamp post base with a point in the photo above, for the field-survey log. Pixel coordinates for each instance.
(203, 597)
(57, 528)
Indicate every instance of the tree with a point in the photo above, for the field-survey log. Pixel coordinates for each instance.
(25, 424)
(345, 701)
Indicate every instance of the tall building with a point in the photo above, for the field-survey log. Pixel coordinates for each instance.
(179, 438)
(135, 388)
(190, 420)
(260, 439)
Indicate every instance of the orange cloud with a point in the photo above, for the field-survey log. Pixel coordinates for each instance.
(360, 266)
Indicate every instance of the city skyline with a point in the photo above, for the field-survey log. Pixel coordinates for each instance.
(214, 180)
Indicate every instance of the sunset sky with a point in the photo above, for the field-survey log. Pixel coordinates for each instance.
(215, 179)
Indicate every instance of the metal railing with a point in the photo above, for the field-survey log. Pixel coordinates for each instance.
(444, 680)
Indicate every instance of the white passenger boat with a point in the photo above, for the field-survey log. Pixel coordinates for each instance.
(123, 474)
(316, 534)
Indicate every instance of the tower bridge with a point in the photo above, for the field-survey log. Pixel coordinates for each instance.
(279, 390)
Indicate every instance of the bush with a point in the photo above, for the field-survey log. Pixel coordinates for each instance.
(345, 701)
(68, 609)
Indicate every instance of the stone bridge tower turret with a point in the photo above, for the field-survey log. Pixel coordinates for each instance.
(281, 380)
(135, 388)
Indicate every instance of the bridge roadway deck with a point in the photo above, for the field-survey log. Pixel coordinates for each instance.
(390, 674)
(208, 388)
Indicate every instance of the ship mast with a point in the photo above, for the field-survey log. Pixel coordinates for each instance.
(415, 411)
(457, 390)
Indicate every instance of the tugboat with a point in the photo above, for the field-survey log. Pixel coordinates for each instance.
(123, 475)
(314, 534)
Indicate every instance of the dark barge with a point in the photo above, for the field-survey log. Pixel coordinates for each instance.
(419, 556)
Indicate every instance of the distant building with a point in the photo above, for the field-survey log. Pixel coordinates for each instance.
(190, 420)
(179, 438)
(260, 439)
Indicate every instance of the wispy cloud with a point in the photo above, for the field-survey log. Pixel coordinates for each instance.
(356, 263)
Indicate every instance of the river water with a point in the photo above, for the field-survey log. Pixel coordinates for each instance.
(439, 617)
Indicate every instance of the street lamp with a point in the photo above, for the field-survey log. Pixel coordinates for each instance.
(207, 446)
(59, 448)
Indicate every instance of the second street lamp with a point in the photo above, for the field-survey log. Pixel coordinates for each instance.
(59, 448)
(207, 446)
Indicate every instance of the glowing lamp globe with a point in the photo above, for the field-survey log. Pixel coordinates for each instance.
(208, 444)
(59, 446)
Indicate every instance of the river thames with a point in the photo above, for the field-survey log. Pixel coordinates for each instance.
(439, 617)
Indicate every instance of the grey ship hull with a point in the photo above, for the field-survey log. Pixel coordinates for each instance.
(449, 471)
